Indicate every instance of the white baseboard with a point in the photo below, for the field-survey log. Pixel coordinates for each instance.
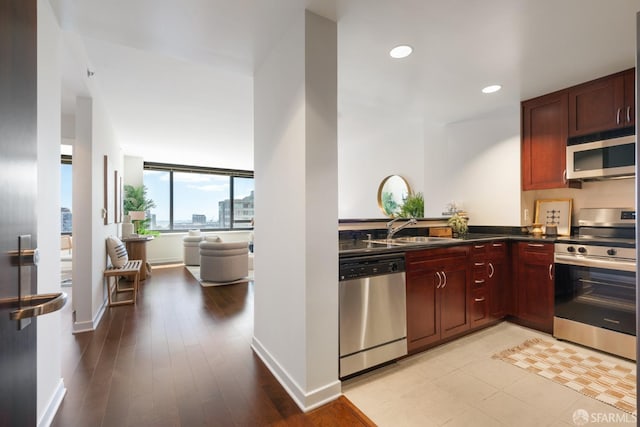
(306, 401)
(52, 407)
(90, 325)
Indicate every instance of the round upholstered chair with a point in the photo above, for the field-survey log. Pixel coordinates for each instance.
(223, 262)
(191, 250)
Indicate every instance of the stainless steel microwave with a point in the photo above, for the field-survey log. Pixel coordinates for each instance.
(600, 159)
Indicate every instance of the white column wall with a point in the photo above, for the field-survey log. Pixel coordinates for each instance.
(50, 384)
(94, 140)
(321, 194)
(296, 289)
(82, 208)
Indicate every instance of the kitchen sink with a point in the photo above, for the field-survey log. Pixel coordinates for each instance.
(409, 240)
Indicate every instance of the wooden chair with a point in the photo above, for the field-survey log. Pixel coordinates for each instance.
(131, 270)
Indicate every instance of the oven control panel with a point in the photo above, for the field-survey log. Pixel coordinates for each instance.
(595, 256)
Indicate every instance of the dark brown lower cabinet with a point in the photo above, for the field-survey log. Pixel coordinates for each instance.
(438, 294)
(534, 285)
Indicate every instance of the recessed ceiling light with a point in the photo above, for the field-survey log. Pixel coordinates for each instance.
(491, 89)
(401, 51)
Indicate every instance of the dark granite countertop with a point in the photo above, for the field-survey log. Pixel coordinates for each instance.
(354, 247)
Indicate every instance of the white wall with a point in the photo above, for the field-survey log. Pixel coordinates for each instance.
(94, 139)
(296, 166)
(133, 171)
(50, 384)
(373, 145)
(475, 163)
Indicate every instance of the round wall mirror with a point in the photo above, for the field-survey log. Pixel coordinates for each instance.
(392, 192)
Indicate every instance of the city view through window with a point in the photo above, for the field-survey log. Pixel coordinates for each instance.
(200, 200)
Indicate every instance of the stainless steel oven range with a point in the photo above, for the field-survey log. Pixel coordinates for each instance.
(595, 282)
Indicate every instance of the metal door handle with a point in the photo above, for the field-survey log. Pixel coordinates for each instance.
(628, 113)
(479, 246)
(34, 305)
(478, 264)
(493, 270)
(479, 299)
(611, 321)
(550, 269)
(564, 176)
(498, 245)
(439, 279)
(479, 282)
(445, 279)
(535, 245)
(618, 116)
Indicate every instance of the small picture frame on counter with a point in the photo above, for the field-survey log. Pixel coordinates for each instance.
(554, 212)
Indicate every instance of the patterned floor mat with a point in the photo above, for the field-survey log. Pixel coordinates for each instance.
(608, 382)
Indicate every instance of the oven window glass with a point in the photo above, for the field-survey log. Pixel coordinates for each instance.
(596, 296)
(604, 158)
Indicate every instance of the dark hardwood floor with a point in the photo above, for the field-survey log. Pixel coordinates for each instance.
(180, 357)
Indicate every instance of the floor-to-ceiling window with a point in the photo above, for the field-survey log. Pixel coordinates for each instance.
(187, 197)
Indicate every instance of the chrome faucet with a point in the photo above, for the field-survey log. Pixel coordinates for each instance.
(391, 231)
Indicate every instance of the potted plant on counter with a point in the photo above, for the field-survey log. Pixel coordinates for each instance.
(458, 224)
(413, 206)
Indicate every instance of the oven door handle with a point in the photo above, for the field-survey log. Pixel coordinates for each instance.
(596, 263)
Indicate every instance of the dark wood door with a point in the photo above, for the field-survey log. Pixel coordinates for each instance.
(454, 298)
(18, 189)
(423, 313)
(544, 142)
(535, 285)
(597, 105)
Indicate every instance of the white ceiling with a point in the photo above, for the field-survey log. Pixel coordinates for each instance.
(176, 77)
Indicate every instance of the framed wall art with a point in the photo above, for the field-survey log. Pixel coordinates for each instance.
(556, 212)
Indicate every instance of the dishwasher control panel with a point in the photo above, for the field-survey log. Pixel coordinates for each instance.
(369, 266)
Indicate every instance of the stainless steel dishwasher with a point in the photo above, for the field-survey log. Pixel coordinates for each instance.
(373, 313)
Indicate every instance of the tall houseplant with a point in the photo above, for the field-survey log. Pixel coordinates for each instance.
(136, 200)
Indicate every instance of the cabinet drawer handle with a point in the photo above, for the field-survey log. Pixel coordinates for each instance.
(479, 299)
(497, 245)
(479, 246)
(618, 116)
(536, 245)
(617, 322)
(479, 281)
(550, 271)
(628, 113)
(439, 280)
(493, 270)
(478, 264)
(445, 279)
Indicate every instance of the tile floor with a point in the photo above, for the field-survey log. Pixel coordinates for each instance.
(459, 384)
